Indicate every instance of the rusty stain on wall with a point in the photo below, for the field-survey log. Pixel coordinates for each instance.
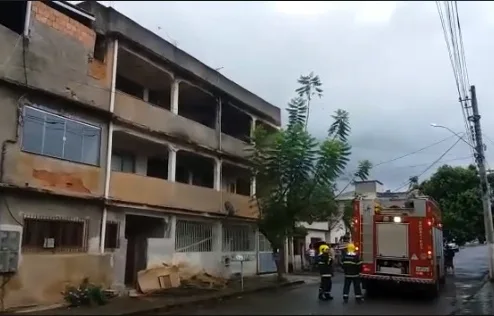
(24, 169)
(61, 180)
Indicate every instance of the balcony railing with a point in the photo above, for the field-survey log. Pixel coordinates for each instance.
(137, 189)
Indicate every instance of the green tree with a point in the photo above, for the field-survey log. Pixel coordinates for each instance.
(295, 174)
(456, 189)
(310, 86)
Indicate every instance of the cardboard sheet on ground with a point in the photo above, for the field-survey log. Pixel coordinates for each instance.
(156, 279)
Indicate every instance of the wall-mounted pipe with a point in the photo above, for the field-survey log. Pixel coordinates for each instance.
(109, 147)
(27, 19)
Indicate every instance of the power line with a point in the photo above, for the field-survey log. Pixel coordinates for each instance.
(394, 159)
(431, 165)
(450, 23)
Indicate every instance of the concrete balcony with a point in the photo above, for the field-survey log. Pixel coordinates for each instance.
(146, 115)
(138, 189)
(50, 174)
(139, 112)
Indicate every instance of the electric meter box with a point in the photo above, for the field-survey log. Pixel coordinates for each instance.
(10, 248)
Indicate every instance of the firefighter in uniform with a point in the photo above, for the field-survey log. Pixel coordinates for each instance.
(351, 267)
(325, 265)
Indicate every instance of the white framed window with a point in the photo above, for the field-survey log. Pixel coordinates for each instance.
(52, 135)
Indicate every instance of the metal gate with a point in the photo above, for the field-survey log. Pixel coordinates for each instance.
(266, 260)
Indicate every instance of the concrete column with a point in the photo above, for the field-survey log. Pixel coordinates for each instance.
(217, 174)
(252, 126)
(219, 107)
(172, 163)
(174, 96)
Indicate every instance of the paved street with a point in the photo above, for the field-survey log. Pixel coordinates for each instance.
(470, 262)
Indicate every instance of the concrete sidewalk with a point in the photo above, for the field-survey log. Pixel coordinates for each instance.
(482, 303)
(163, 302)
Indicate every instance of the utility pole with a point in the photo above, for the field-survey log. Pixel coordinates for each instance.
(484, 184)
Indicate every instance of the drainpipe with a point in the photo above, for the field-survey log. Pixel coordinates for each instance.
(27, 19)
(109, 147)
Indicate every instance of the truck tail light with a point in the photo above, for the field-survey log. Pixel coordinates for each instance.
(366, 268)
(429, 254)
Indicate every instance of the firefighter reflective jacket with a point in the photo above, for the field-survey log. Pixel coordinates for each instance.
(351, 264)
(325, 264)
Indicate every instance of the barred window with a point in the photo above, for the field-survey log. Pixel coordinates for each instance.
(238, 238)
(193, 236)
(54, 234)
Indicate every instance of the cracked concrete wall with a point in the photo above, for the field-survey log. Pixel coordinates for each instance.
(43, 276)
(57, 58)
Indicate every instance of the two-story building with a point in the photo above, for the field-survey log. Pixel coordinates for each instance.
(119, 152)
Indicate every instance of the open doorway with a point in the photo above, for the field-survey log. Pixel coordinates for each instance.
(137, 231)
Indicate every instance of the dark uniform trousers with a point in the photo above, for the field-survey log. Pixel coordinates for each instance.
(326, 271)
(351, 266)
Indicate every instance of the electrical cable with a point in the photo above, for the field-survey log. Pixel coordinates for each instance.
(431, 165)
(395, 159)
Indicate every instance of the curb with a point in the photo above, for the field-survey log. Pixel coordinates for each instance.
(213, 298)
(479, 287)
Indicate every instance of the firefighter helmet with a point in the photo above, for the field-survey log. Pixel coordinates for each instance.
(350, 247)
(323, 248)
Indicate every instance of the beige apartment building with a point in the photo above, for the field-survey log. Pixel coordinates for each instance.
(119, 152)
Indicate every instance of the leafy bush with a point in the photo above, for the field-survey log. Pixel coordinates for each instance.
(86, 294)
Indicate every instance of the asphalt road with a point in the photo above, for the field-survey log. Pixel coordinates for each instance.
(471, 265)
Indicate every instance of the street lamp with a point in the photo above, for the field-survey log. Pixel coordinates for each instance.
(454, 133)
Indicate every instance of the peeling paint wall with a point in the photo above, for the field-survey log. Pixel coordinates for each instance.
(42, 276)
(58, 58)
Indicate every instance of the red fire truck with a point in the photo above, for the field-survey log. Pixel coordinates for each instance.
(400, 241)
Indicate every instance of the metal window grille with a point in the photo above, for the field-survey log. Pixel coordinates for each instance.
(54, 234)
(193, 236)
(238, 238)
(264, 244)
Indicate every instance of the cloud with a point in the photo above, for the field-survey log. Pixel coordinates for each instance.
(384, 62)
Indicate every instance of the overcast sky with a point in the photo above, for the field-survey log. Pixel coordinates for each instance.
(384, 62)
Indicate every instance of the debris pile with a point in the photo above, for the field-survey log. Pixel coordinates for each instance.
(167, 277)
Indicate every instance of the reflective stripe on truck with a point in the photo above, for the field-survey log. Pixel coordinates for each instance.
(396, 278)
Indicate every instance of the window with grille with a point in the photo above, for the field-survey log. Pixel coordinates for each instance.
(54, 234)
(238, 238)
(193, 236)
